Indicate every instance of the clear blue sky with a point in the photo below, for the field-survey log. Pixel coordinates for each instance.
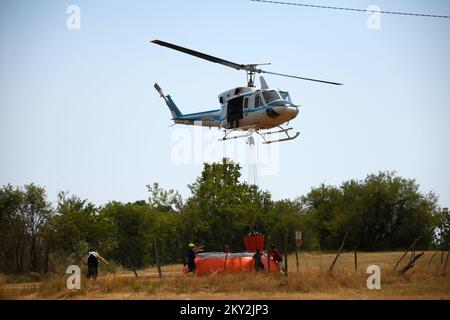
(78, 111)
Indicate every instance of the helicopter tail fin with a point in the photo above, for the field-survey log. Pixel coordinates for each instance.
(176, 113)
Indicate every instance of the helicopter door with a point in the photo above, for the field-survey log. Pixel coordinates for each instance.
(235, 111)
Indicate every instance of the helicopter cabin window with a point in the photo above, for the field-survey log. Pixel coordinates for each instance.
(271, 96)
(257, 101)
(245, 103)
(285, 96)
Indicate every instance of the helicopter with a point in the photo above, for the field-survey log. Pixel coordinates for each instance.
(242, 109)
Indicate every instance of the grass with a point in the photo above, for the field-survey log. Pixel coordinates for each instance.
(312, 281)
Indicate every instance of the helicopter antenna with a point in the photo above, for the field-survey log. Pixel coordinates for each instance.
(250, 69)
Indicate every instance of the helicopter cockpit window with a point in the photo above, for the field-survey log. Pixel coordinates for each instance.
(285, 96)
(271, 96)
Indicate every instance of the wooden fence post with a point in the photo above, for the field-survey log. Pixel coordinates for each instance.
(413, 254)
(158, 266)
(411, 263)
(268, 254)
(406, 252)
(431, 259)
(286, 244)
(445, 264)
(132, 267)
(356, 260)
(225, 263)
(338, 253)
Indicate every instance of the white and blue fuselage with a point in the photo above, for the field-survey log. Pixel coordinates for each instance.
(242, 108)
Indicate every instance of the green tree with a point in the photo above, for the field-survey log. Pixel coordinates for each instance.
(35, 212)
(164, 200)
(221, 208)
(24, 215)
(286, 218)
(321, 207)
(382, 212)
(442, 232)
(132, 231)
(12, 229)
(78, 226)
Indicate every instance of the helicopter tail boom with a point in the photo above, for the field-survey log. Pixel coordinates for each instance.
(209, 118)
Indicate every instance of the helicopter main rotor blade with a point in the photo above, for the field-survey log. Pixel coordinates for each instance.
(308, 79)
(200, 55)
(249, 68)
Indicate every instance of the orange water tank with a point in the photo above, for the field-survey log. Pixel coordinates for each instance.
(254, 242)
(210, 262)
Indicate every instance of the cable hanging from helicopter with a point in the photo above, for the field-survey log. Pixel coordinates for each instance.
(252, 162)
(246, 109)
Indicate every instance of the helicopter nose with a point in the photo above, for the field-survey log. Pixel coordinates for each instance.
(291, 111)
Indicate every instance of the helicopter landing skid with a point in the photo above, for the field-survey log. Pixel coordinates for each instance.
(246, 135)
(282, 130)
(262, 134)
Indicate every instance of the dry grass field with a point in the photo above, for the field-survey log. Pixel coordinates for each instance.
(312, 281)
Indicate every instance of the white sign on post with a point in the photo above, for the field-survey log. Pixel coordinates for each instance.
(298, 235)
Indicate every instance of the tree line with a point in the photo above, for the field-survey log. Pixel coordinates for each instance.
(381, 212)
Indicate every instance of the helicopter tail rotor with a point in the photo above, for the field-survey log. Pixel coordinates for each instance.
(169, 102)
